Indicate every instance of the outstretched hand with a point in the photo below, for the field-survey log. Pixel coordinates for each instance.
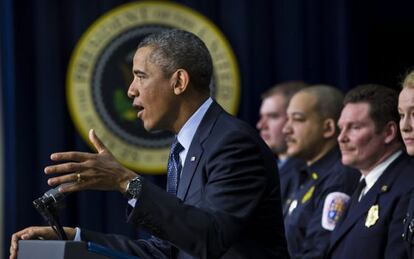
(89, 171)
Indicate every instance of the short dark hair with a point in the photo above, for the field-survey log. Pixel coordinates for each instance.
(175, 49)
(382, 100)
(286, 89)
(328, 100)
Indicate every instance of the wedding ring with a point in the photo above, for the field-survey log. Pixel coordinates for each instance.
(78, 178)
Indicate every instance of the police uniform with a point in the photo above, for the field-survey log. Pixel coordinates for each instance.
(408, 234)
(289, 178)
(318, 204)
(373, 227)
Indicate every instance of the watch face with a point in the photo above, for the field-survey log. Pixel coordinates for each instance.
(134, 187)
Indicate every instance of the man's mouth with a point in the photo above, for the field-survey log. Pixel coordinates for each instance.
(289, 140)
(139, 109)
(346, 149)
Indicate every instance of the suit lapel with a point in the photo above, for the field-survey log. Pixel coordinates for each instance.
(190, 166)
(196, 149)
(371, 198)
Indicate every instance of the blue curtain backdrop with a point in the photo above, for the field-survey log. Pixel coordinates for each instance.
(339, 42)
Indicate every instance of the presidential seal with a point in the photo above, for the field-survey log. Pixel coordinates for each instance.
(99, 75)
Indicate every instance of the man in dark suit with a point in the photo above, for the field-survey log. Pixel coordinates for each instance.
(370, 141)
(224, 203)
(273, 117)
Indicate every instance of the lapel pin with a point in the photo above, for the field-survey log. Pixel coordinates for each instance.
(384, 188)
(192, 159)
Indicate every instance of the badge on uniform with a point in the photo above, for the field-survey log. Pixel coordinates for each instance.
(373, 216)
(333, 209)
(308, 194)
(292, 206)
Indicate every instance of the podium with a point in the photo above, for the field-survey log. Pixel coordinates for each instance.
(54, 249)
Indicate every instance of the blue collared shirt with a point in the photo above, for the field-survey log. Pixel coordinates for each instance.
(186, 134)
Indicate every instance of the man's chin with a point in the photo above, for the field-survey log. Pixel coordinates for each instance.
(292, 152)
(147, 126)
(347, 161)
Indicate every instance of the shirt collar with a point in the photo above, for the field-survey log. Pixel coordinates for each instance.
(372, 177)
(281, 162)
(186, 134)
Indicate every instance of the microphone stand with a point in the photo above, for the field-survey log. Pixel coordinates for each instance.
(49, 212)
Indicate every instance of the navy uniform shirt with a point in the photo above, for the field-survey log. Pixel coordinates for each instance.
(289, 178)
(318, 204)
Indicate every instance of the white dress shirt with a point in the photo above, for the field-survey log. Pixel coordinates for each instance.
(372, 177)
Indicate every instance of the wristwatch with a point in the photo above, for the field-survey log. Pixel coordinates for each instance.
(133, 188)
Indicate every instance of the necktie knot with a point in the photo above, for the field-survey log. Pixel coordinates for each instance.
(174, 167)
(359, 189)
(356, 197)
(176, 148)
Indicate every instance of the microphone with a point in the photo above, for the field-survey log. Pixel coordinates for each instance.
(53, 196)
(48, 206)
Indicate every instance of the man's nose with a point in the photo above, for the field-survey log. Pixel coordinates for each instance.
(132, 90)
(260, 124)
(286, 128)
(341, 137)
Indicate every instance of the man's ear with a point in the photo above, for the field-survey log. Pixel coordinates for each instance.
(179, 81)
(390, 132)
(329, 128)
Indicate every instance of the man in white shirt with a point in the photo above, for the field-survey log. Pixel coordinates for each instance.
(370, 141)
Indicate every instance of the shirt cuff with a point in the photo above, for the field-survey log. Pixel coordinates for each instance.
(132, 202)
(77, 235)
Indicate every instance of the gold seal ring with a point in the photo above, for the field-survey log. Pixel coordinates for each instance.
(78, 178)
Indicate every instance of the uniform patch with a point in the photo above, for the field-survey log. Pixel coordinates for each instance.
(333, 209)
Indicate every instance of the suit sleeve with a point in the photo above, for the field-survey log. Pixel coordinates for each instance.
(235, 182)
(145, 249)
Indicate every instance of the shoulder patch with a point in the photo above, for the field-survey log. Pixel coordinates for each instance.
(333, 209)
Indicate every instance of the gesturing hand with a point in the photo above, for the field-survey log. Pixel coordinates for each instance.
(89, 171)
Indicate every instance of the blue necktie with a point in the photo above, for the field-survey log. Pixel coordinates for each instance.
(174, 167)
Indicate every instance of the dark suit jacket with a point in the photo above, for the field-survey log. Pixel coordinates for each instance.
(353, 239)
(228, 203)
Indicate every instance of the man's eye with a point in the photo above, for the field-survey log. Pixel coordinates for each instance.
(299, 119)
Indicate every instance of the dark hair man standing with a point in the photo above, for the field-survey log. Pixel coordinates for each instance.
(370, 142)
(222, 198)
